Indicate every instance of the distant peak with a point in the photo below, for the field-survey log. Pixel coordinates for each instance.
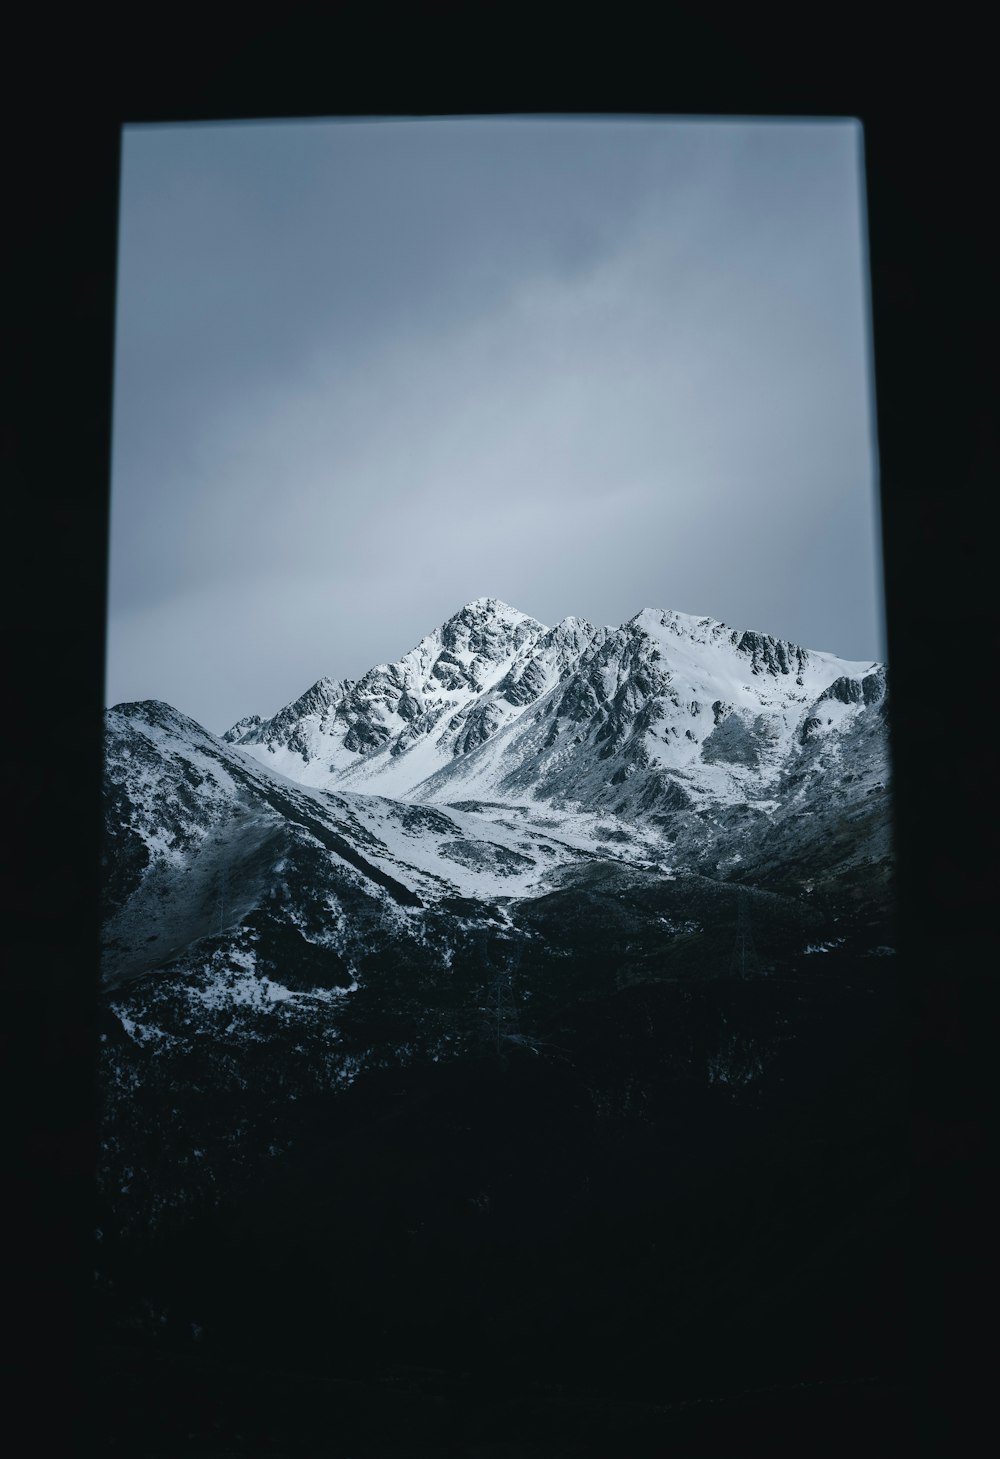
(492, 606)
(145, 708)
(571, 624)
(489, 615)
(156, 712)
(248, 725)
(670, 618)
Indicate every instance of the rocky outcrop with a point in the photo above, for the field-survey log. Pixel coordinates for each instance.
(770, 655)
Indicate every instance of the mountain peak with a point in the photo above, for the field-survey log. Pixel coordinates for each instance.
(486, 628)
(490, 608)
(671, 618)
(154, 711)
(658, 687)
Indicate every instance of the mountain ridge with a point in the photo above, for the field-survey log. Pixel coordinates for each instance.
(407, 729)
(500, 761)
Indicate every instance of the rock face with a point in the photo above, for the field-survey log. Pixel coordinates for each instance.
(336, 889)
(495, 705)
(337, 725)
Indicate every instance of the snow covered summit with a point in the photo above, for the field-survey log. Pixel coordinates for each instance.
(495, 705)
(337, 726)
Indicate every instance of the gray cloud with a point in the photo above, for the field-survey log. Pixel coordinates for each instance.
(368, 371)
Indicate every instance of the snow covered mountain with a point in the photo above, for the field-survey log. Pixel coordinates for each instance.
(493, 761)
(202, 841)
(444, 966)
(400, 721)
(336, 889)
(663, 712)
(499, 763)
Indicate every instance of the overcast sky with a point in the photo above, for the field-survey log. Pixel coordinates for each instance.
(367, 371)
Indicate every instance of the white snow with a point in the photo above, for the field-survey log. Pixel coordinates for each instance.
(142, 1033)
